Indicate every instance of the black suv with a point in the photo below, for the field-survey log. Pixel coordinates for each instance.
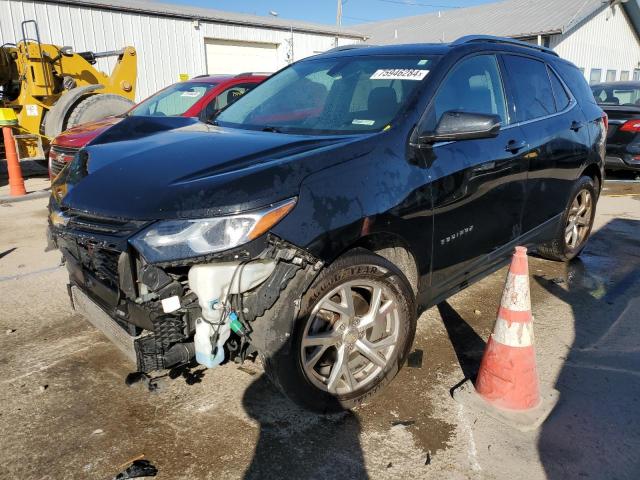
(314, 217)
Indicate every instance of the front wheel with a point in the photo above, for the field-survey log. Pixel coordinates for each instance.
(355, 329)
(576, 225)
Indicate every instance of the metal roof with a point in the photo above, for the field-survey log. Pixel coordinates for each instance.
(511, 18)
(206, 14)
(364, 49)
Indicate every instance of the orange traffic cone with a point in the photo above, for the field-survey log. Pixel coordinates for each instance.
(16, 182)
(507, 386)
(508, 377)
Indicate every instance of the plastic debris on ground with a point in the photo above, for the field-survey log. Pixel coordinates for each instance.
(139, 468)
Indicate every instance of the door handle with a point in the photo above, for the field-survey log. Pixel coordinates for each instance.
(575, 125)
(514, 146)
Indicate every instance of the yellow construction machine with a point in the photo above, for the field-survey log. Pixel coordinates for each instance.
(53, 88)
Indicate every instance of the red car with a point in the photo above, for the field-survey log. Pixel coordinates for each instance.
(200, 97)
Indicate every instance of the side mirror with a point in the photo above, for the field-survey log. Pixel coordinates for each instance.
(208, 114)
(463, 126)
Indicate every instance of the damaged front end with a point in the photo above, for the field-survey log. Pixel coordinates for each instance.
(162, 310)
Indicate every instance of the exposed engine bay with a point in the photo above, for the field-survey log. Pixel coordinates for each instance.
(222, 308)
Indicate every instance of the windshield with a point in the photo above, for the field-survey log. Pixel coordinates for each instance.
(612, 95)
(331, 96)
(172, 101)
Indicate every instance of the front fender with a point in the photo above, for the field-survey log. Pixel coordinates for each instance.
(373, 193)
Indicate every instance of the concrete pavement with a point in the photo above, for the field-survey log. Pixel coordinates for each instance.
(66, 412)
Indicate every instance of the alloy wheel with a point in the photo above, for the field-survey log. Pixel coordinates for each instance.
(350, 336)
(579, 219)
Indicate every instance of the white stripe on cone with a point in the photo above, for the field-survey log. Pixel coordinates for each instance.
(516, 293)
(517, 334)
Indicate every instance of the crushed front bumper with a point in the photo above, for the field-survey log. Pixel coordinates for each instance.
(105, 286)
(103, 322)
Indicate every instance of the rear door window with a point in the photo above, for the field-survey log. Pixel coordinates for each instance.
(559, 93)
(627, 96)
(531, 88)
(574, 79)
(609, 95)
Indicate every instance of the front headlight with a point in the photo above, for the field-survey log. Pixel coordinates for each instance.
(170, 240)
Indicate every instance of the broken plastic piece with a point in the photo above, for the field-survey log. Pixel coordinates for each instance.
(171, 304)
(139, 468)
(141, 377)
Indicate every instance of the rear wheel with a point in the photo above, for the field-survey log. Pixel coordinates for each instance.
(576, 225)
(96, 107)
(355, 330)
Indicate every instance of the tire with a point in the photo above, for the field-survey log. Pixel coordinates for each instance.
(322, 387)
(560, 248)
(96, 107)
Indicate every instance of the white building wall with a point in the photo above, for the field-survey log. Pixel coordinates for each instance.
(606, 40)
(166, 46)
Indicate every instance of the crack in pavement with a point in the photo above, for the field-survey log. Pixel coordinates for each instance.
(29, 274)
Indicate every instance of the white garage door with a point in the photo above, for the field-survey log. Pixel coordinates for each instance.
(230, 57)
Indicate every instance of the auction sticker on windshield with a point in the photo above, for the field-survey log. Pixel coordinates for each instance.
(357, 121)
(399, 74)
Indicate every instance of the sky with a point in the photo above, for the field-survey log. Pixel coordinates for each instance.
(324, 11)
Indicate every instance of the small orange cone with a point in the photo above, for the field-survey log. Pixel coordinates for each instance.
(16, 182)
(507, 386)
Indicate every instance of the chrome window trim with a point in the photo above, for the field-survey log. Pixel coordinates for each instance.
(570, 107)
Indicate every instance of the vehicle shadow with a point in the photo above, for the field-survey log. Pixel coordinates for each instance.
(295, 443)
(594, 430)
(468, 345)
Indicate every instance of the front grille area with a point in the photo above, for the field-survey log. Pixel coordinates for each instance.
(59, 157)
(96, 242)
(88, 223)
(101, 262)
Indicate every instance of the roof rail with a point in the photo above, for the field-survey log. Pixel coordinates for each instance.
(250, 74)
(505, 40)
(352, 46)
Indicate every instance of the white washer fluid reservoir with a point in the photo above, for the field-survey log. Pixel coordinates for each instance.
(212, 283)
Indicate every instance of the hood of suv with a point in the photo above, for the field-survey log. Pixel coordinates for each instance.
(176, 167)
